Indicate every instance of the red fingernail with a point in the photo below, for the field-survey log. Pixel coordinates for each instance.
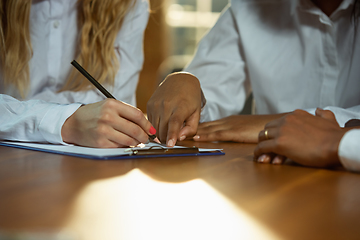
(152, 130)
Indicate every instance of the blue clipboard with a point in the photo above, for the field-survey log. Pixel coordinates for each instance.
(111, 154)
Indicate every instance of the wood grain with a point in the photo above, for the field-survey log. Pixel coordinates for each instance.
(41, 191)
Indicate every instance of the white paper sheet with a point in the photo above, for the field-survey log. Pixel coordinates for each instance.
(90, 152)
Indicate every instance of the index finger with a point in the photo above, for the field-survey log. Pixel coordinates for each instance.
(175, 123)
(136, 116)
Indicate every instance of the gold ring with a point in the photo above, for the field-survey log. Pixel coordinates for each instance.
(266, 134)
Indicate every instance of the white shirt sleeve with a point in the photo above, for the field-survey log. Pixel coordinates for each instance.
(220, 67)
(41, 117)
(129, 49)
(33, 120)
(349, 150)
(342, 115)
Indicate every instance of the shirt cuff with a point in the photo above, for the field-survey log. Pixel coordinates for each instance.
(51, 124)
(348, 151)
(342, 115)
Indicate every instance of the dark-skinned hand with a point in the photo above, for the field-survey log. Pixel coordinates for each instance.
(306, 139)
(236, 128)
(174, 108)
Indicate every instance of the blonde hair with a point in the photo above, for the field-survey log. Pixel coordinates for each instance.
(99, 22)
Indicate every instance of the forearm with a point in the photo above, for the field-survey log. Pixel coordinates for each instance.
(190, 80)
(32, 120)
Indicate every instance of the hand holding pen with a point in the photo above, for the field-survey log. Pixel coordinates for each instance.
(107, 124)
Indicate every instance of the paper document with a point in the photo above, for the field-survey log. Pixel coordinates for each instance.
(142, 150)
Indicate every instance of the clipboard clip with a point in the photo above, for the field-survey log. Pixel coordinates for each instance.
(158, 150)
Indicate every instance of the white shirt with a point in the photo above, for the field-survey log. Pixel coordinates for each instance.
(349, 150)
(349, 146)
(288, 52)
(53, 25)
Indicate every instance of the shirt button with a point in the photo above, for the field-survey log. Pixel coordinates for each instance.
(56, 24)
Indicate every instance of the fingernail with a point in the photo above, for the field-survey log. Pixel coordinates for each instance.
(196, 137)
(261, 158)
(170, 143)
(152, 130)
(182, 137)
(277, 160)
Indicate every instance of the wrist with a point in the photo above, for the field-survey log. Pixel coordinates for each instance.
(190, 81)
(334, 147)
(67, 130)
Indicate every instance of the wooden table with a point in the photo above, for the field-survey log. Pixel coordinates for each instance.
(212, 197)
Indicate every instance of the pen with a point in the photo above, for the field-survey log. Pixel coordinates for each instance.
(99, 86)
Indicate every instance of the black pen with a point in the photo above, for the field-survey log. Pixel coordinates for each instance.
(99, 86)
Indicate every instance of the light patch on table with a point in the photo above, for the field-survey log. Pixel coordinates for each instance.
(135, 206)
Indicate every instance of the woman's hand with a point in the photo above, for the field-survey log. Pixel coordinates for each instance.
(306, 139)
(107, 124)
(236, 128)
(174, 109)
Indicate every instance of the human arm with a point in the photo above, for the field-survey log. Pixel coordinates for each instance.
(33, 120)
(128, 47)
(306, 139)
(236, 128)
(108, 123)
(176, 115)
(219, 66)
(245, 128)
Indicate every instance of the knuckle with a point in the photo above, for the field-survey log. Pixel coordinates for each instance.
(281, 130)
(110, 103)
(166, 104)
(101, 130)
(290, 118)
(135, 132)
(298, 111)
(267, 125)
(105, 117)
(174, 119)
(138, 115)
(219, 135)
(280, 143)
(282, 133)
(154, 102)
(150, 103)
